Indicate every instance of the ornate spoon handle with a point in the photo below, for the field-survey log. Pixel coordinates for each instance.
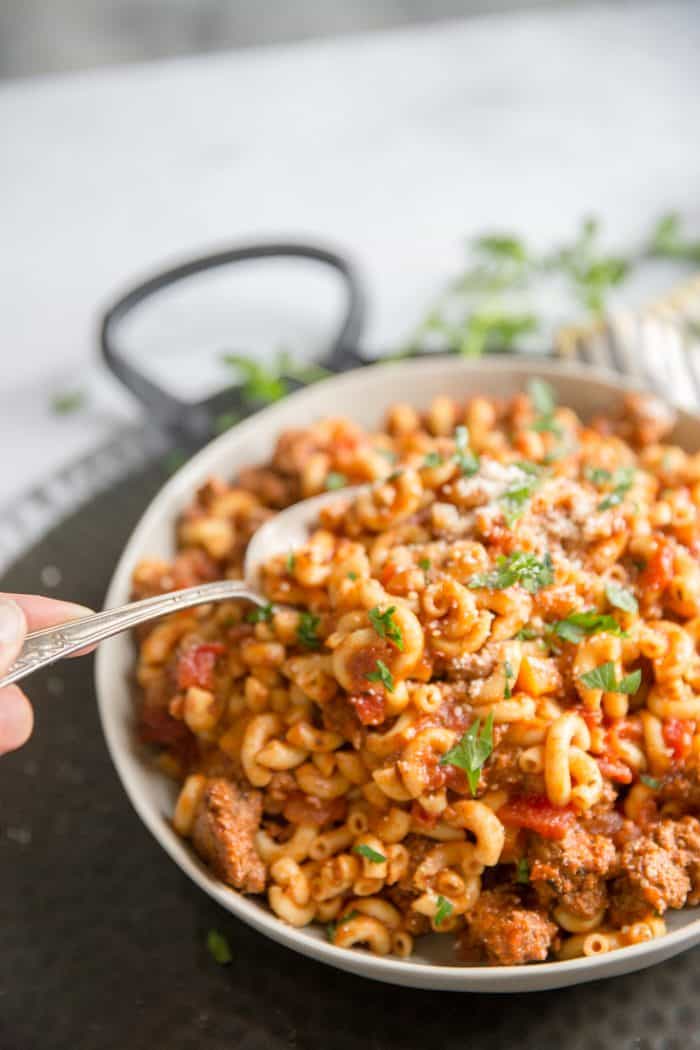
(42, 648)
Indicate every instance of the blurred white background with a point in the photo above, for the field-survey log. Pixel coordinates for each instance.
(394, 144)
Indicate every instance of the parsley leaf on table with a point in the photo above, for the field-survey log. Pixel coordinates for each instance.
(218, 948)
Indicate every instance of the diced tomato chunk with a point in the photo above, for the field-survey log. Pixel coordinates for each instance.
(421, 817)
(157, 726)
(196, 665)
(614, 769)
(659, 569)
(537, 813)
(369, 708)
(308, 809)
(678, 737)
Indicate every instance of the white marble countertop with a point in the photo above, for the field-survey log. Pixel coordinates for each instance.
(395, 146)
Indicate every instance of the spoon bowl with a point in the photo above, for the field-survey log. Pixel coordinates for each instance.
(285, 531)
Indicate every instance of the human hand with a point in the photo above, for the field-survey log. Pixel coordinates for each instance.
(20, 613)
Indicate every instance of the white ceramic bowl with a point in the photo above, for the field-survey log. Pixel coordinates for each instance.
(362, 395)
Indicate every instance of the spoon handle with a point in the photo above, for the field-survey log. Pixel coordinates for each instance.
(42, 648)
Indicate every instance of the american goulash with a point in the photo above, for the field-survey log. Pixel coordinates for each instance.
(471, 705)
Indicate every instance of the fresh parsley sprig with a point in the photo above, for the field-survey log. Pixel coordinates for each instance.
(620, 597)
(386, 626)
(515, 499)
(603, 677)
(620, 480)
(306, 630)
(579, 625)
(465, 459)
(472, 751)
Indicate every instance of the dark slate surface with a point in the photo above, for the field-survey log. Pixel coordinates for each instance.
(102, 939)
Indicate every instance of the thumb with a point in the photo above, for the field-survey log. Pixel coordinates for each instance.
(13, 627)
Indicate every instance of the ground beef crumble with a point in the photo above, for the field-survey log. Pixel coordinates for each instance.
(223, 834)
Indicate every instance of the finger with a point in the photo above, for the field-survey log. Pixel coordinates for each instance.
(13, 627)
(16, 719)
(46, 612)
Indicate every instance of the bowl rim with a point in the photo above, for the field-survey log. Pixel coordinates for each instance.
(452, 977)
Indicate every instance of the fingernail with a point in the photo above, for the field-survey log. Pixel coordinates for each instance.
(12, 622)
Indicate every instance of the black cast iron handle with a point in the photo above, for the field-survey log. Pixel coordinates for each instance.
(192, 422)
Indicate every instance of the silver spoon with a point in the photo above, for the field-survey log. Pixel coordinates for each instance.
(286, 531)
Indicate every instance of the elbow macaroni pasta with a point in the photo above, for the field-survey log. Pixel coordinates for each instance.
(418, 715)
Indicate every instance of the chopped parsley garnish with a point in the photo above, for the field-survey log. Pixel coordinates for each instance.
(651, 782)
(516, 497)
(433, 459)
(260, 614)
(522, 871)
(335, 481)
(519, 567)
(603, 677)
(621, 480)
(509, 676)
(577, 626)
(306, 631)
(621, 598)
(370, 854)
(424, 564)
(388, 453)
(218, 948)
(467, 462)
(291, 562)
(352, 576)
(332, 927)
(597, 475)
(544, 403)
(68, 402)
(385, 625)
(383, 675)
(471, 752)
(526, 634)
(444, 910)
